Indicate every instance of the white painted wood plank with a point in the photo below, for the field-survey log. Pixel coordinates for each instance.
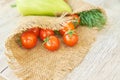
(2, 78)
(8, 21)
(3, 64)
(9, 74)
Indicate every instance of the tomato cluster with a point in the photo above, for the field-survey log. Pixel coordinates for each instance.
(30, 37)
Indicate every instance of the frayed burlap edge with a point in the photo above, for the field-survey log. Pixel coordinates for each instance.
(80, 6)
(44, 22)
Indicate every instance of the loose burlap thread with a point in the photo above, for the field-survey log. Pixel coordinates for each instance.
(44, 22)
(39, 63)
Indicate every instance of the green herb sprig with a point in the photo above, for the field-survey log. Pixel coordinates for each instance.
(92, 18)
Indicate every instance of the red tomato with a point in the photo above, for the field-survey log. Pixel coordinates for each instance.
(66, 27)
(76, 20)
(76, 17)
(28, 39)
(52, 43)
(35, 30)
(45, 33)
(70, 39)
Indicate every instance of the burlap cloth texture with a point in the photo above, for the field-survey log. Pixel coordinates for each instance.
(41, 64)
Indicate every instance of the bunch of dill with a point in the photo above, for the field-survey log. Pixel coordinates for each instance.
(92, 18)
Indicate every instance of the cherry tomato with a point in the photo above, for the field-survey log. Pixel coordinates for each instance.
(45, 33)
(70, 38)
(76, 20)
(35, 30)
(66, 27)
(76, 17)
(28, 40)
(52, 43)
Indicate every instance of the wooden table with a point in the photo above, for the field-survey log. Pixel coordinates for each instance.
(103, 59)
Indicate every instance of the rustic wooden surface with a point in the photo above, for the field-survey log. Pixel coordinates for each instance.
(103, 59)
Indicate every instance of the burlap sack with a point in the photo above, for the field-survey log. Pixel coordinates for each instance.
(41, 64)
